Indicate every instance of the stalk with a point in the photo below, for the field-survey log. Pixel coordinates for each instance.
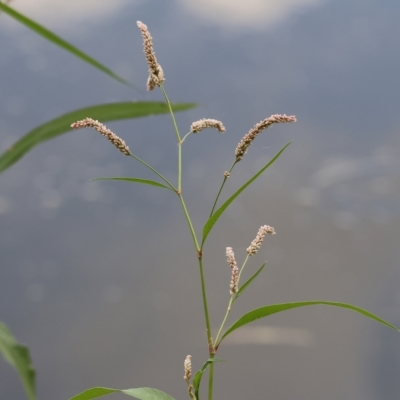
(228, 310)
(220, 189)
(178, 137)
(196, 245)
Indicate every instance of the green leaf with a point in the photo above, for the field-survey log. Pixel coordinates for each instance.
(247, 283)
(199, 375)
(50, 36)
(137, 180)
(62, 124)
(18, 356)
(275, 308)
(214, 218)
(139, 393)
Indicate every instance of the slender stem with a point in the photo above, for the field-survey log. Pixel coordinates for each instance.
(155, 171)
(211, 350)
(183, 139)
(242, 268)
(195, 242)
(228, 310)
(171, 112)
(205, 306)
(232, 299)
(220, 189)
(178, 137)
(211, 380)
(204, 296)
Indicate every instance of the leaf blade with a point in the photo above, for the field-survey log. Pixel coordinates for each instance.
(214, 218)
(199, 375)
(147, 394)
(19, 357)
(58, 41)
(136, 180)
(265, 311)
(251, 279)
(62, 124)
(138, 393)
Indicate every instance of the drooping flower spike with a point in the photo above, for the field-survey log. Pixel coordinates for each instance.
(204, 123)
(103, 130)
(243, 145)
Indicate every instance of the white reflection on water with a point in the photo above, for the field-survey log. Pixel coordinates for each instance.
(254, 14)
(258, 14)
(60, 13)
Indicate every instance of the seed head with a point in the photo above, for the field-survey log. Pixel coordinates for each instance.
(188, 373)
(230, 257)
(241, 148)
(204, 123)
(188, 368)
(256, 243)
(156, 74)
(99, 127)
(234, 286)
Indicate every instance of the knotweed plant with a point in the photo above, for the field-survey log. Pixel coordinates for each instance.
(235, 287)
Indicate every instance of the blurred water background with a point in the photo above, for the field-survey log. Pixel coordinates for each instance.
(100, 278)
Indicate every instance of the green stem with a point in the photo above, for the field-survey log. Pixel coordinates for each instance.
(241, 269)
(196, 243)
(211, 380)
(204, 295)
(178, 138)
(220, 189)
(228, 310)
(183, 139)
(232, 299)
(205, 306)
(208, 327)
(155, 171)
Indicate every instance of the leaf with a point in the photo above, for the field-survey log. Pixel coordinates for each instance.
(275, 308)
(214, 218)
(18, 356)
(50, 36)
(139, 393)
(62, 124)
(199, 375)
(137, 180)
(247, 283)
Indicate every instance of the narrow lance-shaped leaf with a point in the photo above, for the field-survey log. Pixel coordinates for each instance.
(199, 375)
(247, 283)
(138, 393)
(135, 180)
(214, 218)
(50, 36)
(18, 356)
(275, 308)
(62, 124)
